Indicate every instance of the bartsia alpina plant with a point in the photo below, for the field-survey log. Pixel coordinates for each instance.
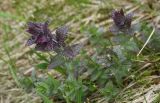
(122, 22)
(45, 40)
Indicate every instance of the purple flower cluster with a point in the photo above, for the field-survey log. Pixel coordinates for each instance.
(41, 36)
(122, 22)
(46, 41)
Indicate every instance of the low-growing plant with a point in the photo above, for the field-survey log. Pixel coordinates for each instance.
(86, 76)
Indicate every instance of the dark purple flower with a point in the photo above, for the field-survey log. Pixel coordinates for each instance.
(61, 34)
(46, 41)
(41, 36)
(122, 22)
(68, 51)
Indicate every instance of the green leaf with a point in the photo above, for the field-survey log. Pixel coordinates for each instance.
(27, 83)
(44, 97)
(56, 61)
(42, 65)
(41, 57)
(110, 91)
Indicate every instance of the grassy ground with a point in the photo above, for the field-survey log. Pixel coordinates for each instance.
(18, 60)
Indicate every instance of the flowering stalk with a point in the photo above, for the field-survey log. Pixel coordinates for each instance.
(46, 41)
(122, 22)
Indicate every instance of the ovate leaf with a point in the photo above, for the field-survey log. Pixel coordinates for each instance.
(56, 61)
